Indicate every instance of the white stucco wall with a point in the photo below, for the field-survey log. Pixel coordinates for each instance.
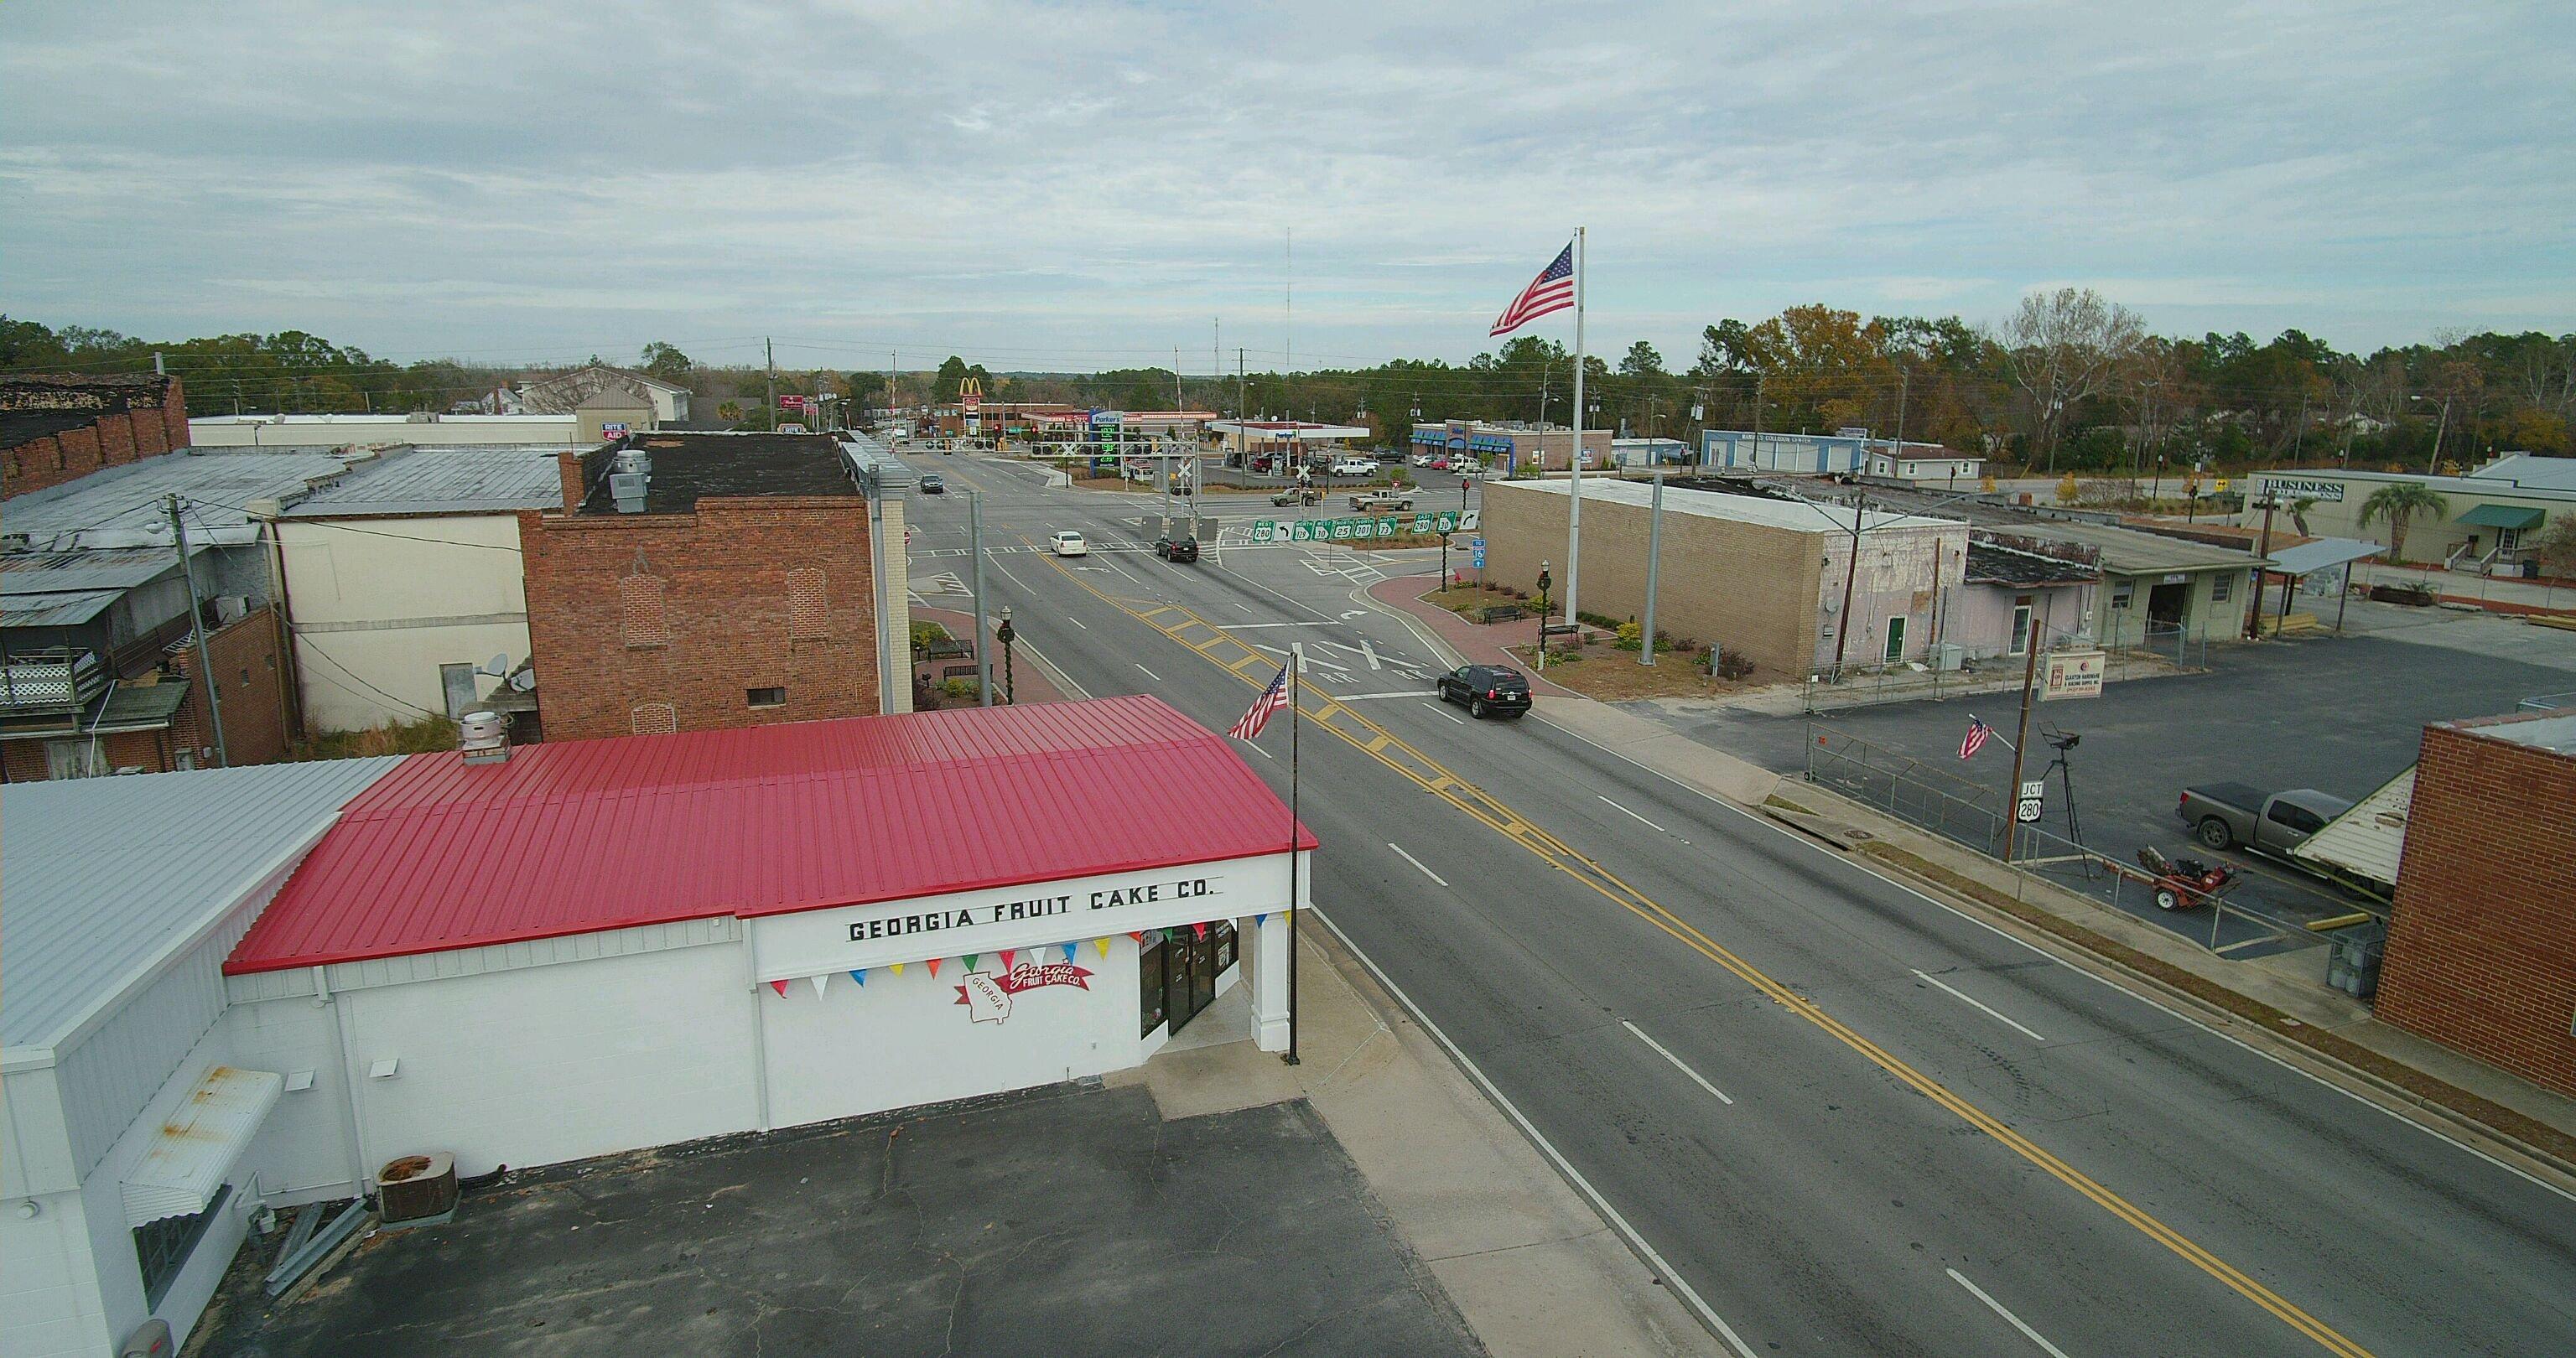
(386, 606)
(309, 431)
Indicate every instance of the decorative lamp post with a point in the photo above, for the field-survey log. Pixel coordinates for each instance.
(1003, 635)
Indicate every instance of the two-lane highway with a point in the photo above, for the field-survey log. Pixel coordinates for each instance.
(1848, 1119)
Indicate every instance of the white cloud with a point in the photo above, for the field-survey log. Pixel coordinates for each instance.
(1093, 180)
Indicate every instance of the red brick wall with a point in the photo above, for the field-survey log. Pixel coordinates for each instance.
(252, 683)
(727, 621)
(111, 441)
(149, 751)
(2482, 945)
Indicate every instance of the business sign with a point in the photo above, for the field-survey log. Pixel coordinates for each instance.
(987, 995)
(1348, 530)
(2073, 674)
(613, 429)
(2301, 488)
(792, 402)
(2026, 806)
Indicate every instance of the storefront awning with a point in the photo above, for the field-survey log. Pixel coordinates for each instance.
(199, 1144)
(2503, 516)
(2323, 554)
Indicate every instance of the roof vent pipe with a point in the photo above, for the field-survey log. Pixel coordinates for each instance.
(483, 737)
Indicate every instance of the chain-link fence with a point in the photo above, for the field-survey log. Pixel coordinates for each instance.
(2170, 643)
(1905, 787)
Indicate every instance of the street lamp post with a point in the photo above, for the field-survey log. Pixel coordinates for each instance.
(1003, 634)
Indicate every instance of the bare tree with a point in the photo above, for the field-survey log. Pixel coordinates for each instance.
(2062, 347)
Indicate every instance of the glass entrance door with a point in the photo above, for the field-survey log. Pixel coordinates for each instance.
(1189, 973)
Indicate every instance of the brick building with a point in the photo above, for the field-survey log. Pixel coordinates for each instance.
(743, 587)
(2482, 944)
(58, 428)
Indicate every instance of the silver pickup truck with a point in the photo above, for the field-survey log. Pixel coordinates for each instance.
(2232, 815)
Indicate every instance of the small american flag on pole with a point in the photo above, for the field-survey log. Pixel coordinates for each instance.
(1257, 716)
(1975, 740)
(1552, 290)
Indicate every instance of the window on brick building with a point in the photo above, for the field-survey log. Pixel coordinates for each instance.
(653, 719)
(640, 600)
(765, 697)
(806, 614)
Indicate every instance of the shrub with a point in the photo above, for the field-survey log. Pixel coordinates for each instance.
(1729, 664)
(925, 632)
(957, 688)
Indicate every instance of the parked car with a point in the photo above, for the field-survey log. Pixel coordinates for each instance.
(1298, 495)
(1438, 464)
(933, 484)
(1486, 690)
(2232, 815)
(1378, 501)
(1177, 549)
(1068, 543)
(1354, 466)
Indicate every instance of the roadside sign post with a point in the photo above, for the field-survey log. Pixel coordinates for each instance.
(2026, 806)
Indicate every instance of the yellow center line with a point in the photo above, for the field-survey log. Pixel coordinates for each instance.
(1386, 747)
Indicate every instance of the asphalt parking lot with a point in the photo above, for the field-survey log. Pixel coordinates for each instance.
(1068, 1220)
(2341, 714)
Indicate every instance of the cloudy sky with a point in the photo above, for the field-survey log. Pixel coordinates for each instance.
(1090, 185)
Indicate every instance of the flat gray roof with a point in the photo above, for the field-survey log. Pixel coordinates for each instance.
(1797, 516)
(2125, 551)
(122, 506)
(453, 479)
(109, 876)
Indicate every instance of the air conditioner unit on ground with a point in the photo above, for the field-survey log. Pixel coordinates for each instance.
(1948, 656)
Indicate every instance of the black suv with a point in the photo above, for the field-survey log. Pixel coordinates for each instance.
(1487, 690)
(1177, 549)
(931, 484)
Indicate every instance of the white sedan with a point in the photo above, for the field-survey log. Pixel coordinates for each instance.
(1068, 543)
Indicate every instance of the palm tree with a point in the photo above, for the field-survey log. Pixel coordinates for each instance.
(2399, 502)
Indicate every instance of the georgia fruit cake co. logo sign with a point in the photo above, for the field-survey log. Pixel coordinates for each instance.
(987, 997)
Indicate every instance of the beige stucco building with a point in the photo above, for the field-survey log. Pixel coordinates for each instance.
(404, 577)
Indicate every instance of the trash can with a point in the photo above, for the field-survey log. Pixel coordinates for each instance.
(2352, 959)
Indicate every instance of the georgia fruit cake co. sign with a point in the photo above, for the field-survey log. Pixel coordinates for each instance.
(987, 995)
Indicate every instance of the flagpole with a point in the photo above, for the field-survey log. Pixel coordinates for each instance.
(1296, 700)
(1574, 460)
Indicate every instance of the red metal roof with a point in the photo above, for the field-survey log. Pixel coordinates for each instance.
(606, 834)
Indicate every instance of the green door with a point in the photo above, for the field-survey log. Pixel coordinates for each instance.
(1895, 640)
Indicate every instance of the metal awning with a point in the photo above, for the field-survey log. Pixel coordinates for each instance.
(2504, 516)
(199, 1144)
(2321, 555)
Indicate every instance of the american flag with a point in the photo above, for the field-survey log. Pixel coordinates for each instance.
(1975, 740)
(1552, 290)
(1258, 715)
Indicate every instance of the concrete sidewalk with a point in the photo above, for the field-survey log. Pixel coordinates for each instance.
(2293, 1016)
(1467, 643)
(1532, 1266)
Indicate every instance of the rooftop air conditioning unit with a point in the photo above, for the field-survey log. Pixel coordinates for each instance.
(484, 737)
(635, 461)
(627, 489)
(421, 417)
(417, 1190)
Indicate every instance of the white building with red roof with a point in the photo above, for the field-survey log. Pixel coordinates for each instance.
(596, 946)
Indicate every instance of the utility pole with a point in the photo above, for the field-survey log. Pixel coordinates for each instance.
(1242, 411)
(2021, 737)
(771, 351)
(1851, 573)
(1177, 402)
(2262, 549)
(983, 652)
(1654, 562)
(1758, 380)
(197, 625)
(890, 402)
(2433, 464)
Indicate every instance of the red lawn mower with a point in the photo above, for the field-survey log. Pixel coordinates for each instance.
(2184, 883)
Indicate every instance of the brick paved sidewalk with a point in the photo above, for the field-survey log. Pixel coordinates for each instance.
(1029, 682)
(1477, 643)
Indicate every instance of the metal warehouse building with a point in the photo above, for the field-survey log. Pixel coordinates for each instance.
(597, 946)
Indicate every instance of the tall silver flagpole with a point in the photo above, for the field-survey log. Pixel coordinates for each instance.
(1574, 460)
(1296, 701)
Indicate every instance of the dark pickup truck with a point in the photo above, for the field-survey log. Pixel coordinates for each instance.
(2232, 815)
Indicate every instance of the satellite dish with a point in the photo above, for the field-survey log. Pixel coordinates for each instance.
(525, 681)
(498, 667)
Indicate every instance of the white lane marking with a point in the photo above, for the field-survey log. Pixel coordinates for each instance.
(1446, 713)
(1981, 1004)
(1158, 679)
(1418, 863)
(1371, 653)
(1654, 1258)
(1696, 1077)
(1244, 606)
(1260, 751)
(1366, 697)
(1077, 622)
(1635, 817)
(1257, 626)
(2097, 978)
(1006, 571)
(1997, 1307)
